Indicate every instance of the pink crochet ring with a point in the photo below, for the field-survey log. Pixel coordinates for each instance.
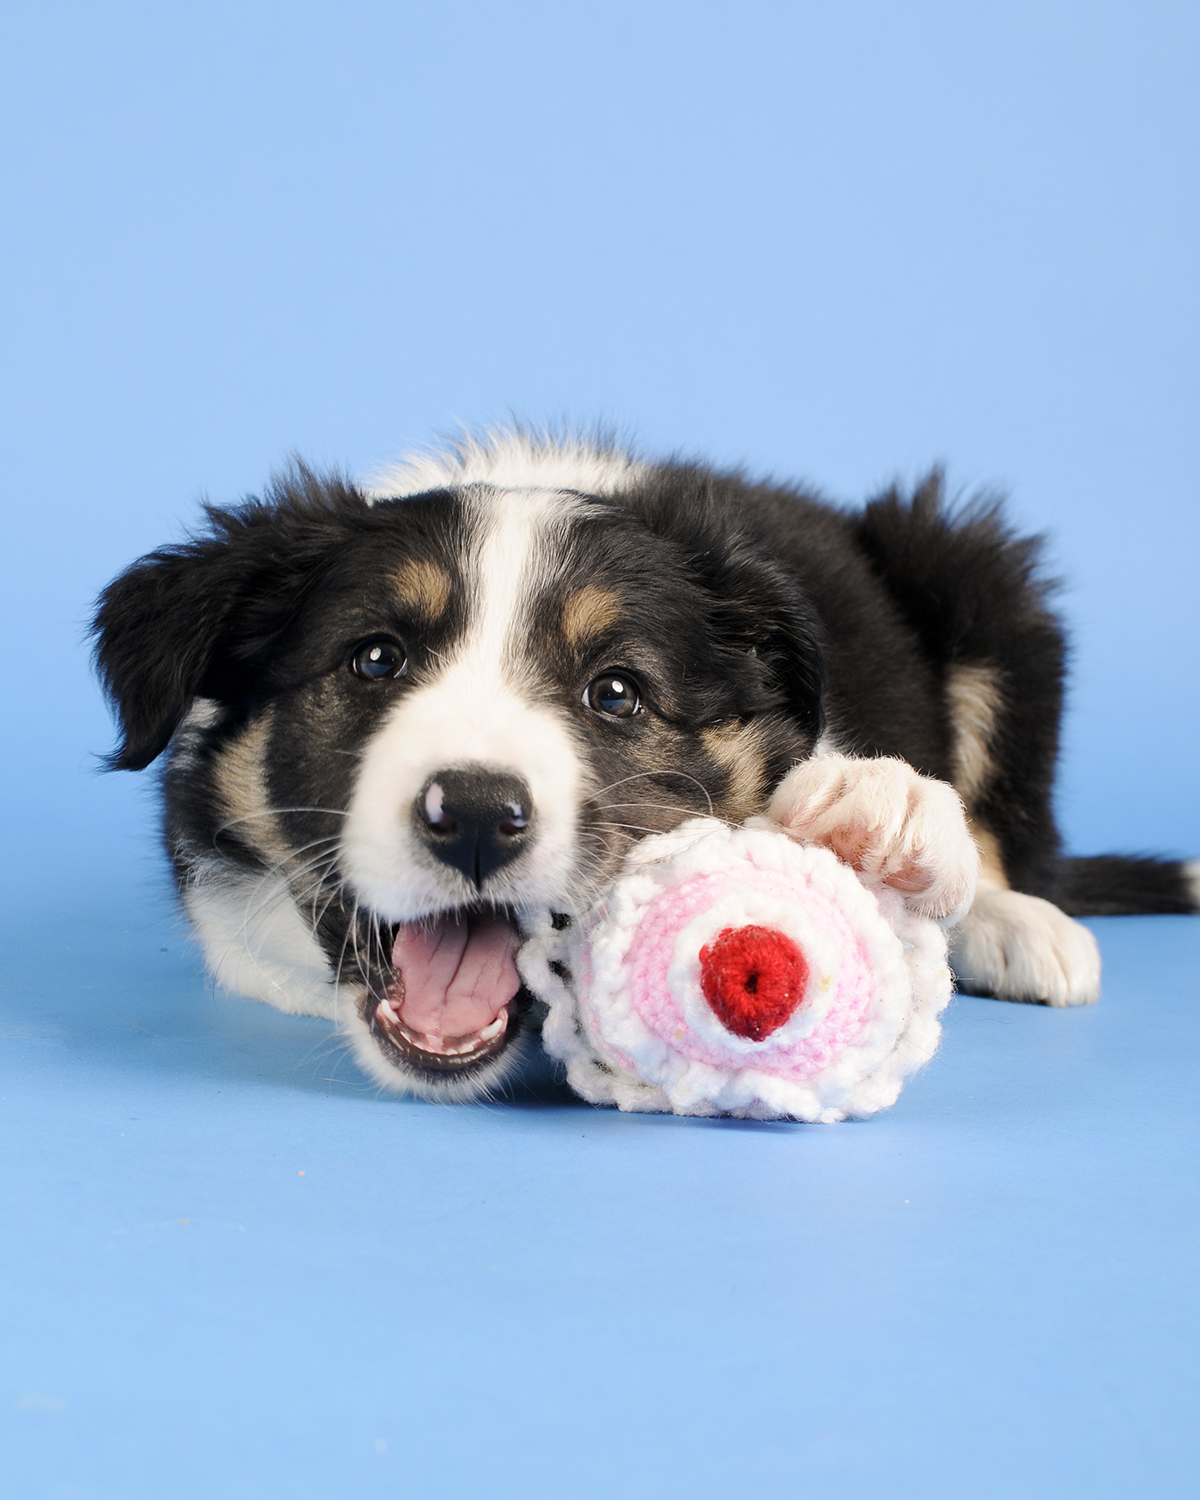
(736, 971)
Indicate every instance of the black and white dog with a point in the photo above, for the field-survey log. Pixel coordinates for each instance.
(399, 721)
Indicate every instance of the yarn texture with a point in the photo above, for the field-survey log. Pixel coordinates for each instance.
(753, 979)
(736, 971)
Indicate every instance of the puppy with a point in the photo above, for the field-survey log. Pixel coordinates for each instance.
(396, 722)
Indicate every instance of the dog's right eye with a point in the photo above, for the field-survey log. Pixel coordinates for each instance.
(379, 657)
(613, 694)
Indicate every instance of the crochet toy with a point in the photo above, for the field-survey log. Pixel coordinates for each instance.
(737, 971)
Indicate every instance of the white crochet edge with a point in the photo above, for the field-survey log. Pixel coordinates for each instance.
(907, 954)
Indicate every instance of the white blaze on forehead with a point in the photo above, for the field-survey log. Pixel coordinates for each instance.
(516, 459)
(475, 711)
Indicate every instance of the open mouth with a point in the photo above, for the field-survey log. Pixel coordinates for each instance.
(453, 999)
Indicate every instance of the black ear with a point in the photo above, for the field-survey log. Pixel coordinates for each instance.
(191, 620)
(762, 611)
(158, 627)
(759, 616)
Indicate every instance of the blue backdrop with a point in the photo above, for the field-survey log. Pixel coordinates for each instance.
(836, 241)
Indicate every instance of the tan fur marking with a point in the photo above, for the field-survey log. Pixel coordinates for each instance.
(424, 587)
(587, 612)
(991, 863)
(738, 748)
(974, 694)
(242, 784)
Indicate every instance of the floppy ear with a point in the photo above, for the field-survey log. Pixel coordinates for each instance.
(763, 612)
(193, 620)
(759, 614)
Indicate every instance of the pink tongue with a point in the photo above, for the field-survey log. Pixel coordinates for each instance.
(455, 976)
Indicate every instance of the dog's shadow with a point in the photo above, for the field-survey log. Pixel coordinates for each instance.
(134, 997)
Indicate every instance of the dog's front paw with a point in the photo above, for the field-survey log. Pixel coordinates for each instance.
(887, 822)
(1018, 947)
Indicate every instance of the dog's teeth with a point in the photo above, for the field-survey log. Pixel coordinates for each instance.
(387, 1018)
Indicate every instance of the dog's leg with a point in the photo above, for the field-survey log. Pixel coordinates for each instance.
(1019, 947)
(886, 821)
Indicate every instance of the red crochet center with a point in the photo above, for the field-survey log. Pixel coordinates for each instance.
(753, 978)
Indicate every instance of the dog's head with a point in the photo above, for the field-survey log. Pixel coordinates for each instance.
(432, 716)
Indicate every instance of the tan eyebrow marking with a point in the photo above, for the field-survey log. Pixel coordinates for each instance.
(587, 612)
(424, 587)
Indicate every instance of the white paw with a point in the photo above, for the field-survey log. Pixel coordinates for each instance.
(888, 823)
(1020, 947)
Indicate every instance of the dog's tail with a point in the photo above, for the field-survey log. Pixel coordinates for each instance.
(1117, 885)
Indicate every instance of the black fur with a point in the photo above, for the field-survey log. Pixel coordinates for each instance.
(203, 619)
(902, 591)
(971, 591)
(1119, 885)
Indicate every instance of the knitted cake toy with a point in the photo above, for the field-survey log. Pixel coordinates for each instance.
(736, 971)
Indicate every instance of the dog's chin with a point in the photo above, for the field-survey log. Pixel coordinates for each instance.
(444, 1015)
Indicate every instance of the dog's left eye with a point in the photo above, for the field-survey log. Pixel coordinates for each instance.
(379, 657)
(613, 694)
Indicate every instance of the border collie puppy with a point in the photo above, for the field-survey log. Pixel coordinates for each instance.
(397, 722)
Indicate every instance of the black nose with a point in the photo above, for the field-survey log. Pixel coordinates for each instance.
(474, 820)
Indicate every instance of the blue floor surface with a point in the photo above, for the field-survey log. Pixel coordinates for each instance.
(232, 1269)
